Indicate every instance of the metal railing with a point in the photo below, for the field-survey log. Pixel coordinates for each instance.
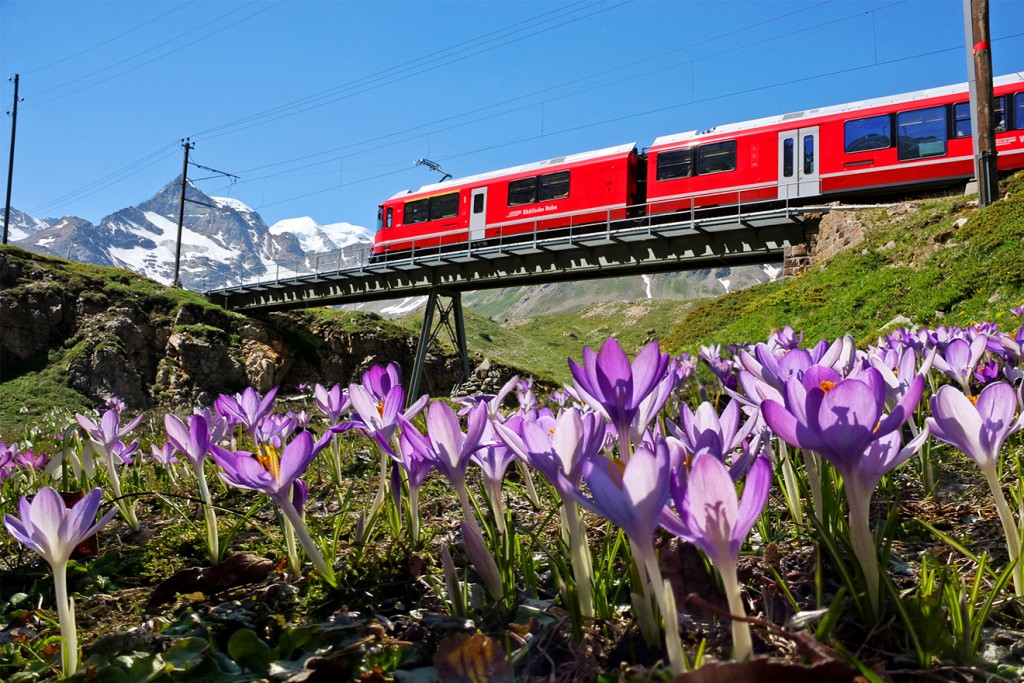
(708, 208)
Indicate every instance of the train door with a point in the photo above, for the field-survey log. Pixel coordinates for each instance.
(478, 214)
(798, 163)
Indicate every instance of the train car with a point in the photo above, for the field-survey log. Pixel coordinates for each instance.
(902, 141)
(562, 193)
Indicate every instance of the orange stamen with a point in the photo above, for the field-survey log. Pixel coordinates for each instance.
(270, 461)
(827, 386)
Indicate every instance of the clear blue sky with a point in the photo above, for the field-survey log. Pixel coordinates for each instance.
(322, 107)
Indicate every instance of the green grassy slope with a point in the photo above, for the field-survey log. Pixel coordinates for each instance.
(921, 265)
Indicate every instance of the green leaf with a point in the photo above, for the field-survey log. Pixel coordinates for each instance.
(185, 653)
(246, 648)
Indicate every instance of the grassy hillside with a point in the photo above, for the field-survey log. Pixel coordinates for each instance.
(543, 344)
(925, 264)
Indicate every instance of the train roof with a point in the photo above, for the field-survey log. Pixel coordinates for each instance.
(569, 159)
(833, 109)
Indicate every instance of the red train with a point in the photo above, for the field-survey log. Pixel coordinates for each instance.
(906, 140)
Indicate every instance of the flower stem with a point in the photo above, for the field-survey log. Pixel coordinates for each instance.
(1009, 525)
(414, 515)
(127, 509)
(814, 481)
(66, 617)
(742, 645)
(579, 555)
(667, 605)
(302, 534)
(212, 536)
(863, 542)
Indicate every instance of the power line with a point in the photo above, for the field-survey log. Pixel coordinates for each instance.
(154, 59)
(110, 40)
(565, 95)
(377, 80)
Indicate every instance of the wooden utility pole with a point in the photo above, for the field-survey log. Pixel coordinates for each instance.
(979, 69)
(181, 211)
(10, 164)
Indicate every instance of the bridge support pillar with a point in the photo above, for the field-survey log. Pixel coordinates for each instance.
(449, 318)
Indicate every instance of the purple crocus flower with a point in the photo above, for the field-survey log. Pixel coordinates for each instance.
(842, 420)
(331, 402)
(191, 438)
(164, 455)
(614, 387)
(109, 430)
(838, 418)
(493, 458)
(560, 448)
(630, 494)
(379, 415)
(48, 527)
(706, 429)
(277, 476)
(716, 521)
(107, 436)
(380, 380)
(979, 429)
(960, 358)
(557, 447)
(247, 408)
(417, 463)
(447, 445)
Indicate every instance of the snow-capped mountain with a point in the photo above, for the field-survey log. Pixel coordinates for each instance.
(316, 238)
(22, 225)
(222, 239)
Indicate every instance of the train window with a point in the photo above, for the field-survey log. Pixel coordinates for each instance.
(675, 164)
(444, 206)
(716, 157)
(388, 220)
(962, 120)
(787, 158)
(808, 154)
(553, 186)
(478, 203)
(921, 133)
(999, 114)
(962, 117)
(862, 135)
(417, 211)
(380, 217)
(523, 191)
(1018, 110)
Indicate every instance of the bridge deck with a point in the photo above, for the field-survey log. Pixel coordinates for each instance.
(618, 249)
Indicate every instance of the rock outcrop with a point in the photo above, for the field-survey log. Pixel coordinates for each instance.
(116, 334)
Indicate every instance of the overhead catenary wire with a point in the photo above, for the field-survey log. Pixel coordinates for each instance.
(100, 44)
(154, 59)
(402, 71)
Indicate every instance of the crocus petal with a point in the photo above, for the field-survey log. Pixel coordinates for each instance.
(295, 458)
(755, 495)
(956, 421)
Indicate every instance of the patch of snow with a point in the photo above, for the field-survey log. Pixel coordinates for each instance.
(346, 234)
(725, 283)
(407, 305)
(229, 203)
(647, 285)
(771, 271)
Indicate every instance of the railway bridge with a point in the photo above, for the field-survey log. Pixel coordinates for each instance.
(744, 235)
